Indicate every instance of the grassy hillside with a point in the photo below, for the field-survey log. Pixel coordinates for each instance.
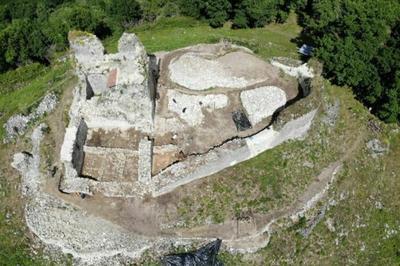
(364, 201)
(22, 89)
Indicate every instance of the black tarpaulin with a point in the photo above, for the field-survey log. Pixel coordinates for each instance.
(205, 256)
(241, 121)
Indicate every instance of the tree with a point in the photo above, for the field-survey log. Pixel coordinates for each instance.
(217, 12)
(75, 17)
(357, 41)
(126, 12)
(21, 42)
(254, 13)
(194, 8)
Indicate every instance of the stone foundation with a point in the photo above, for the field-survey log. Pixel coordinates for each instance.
(211, 114)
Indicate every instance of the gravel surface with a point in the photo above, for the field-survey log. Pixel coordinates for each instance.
(262, 102)
(189, 107)
(197, 73)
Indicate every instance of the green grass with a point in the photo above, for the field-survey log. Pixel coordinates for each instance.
(172, 33)
(13, 80)
(14, 248)
(23, 98)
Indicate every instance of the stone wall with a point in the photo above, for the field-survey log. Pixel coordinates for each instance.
(128, 104)
(72, 158)
(145, 160)
(17, 124)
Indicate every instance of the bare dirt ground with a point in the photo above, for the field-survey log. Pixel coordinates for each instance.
(114, 138)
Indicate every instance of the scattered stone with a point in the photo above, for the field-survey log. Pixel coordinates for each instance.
(343, 195)
(362, 248)
(332, 114)
(22, 161)
(18, 124)
(378, 205)
(312, 223)
(8, 216)
(27, 163)
(188, 107)
(389, 232)
(302, 71)
(374, 126)
(332, 202)
(330, 225)
(376, 148)
(308, 164)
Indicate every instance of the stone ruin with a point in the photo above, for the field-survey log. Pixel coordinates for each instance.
(113, 96)
(146, 124)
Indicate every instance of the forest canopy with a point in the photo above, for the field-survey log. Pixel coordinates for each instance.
(358, 41)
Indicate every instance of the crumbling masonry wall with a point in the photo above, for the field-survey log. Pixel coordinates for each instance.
(115, 91)
(145, 160)
(72, 157)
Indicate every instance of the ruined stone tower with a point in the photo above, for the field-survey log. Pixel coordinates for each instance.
(107, 145)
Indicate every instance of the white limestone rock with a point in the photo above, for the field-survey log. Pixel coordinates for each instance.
(198, 73)
(98, 83)
(22, 161)
(262, 102)
(122, 107)
(88, 49)
(129, 44)
(189, 107)
(302, 71)
(145, 159)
